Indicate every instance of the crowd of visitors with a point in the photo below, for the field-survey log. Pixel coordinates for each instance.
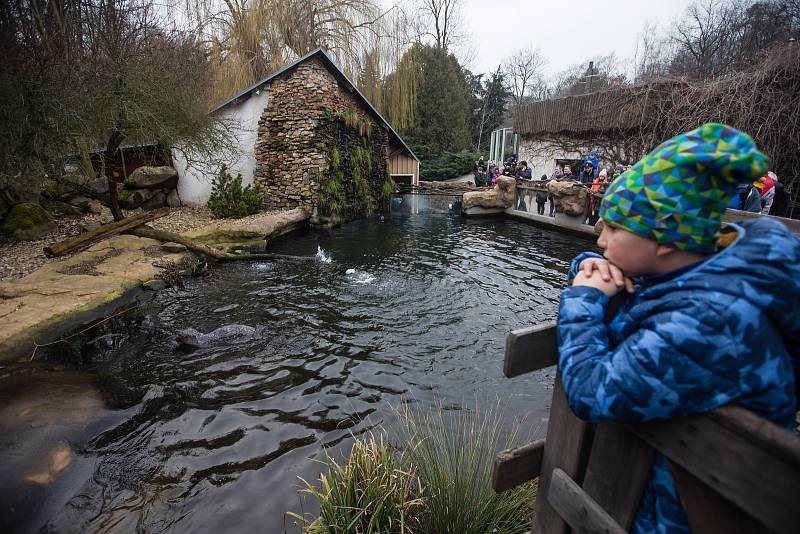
(486, 172)
(766, 195)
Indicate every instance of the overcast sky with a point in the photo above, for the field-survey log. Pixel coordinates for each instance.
(568, 31)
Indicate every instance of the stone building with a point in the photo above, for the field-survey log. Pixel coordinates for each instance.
(308, 138)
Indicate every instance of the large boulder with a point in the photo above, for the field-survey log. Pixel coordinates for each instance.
(158, 200)
(153, 178)
(570, 197)
(98, 187)
(28, 222)
(501, 197)
(62, 209)
(130, 199)
(174, 199)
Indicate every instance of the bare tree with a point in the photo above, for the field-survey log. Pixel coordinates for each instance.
(652, 53)
(114, 75)
(597, 74)
(442, 20)
(248, 39)
(705, 38)
(523, 72)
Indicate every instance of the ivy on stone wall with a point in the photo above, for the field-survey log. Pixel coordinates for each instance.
(331, 195)
(387, 190)
(361, 170)
(353, 186)
(353, 119)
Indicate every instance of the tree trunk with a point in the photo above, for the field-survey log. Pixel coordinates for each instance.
(111, 149)
(103, 232)
(191, 244)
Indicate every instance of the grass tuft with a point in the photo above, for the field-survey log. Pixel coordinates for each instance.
(436, 480)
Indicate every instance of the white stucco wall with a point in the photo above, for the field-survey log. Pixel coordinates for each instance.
(541, 157)
(194, 182)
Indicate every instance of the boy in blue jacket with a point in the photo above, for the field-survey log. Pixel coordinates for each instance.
(703, 325)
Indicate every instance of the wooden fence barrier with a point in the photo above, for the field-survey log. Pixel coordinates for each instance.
(735, 472)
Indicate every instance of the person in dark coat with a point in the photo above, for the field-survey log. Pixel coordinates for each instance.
(541, 197)
(523, 171)
(587, 174)
(707, 322)
(780, 202)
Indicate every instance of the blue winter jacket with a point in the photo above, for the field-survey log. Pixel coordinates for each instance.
(724, 330)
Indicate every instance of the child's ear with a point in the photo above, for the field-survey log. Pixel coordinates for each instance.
(664, 250)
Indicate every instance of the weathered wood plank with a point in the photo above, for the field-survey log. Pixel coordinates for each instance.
(103, 232)
(568, 442)
(707, 511)
(737, 215)
(759, 431)
(582, 513)
(513, 467)
(619, 465)
(748, 460)
(530, 349)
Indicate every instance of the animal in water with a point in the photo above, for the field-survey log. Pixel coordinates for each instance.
(190, 337)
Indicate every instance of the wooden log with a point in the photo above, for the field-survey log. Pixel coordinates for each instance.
(617, 473)
(746, 459)
(582, 512)
(568, 442)
(707, 511)
(530, 349)
(191, 244)
(513, 467)
(103, 232)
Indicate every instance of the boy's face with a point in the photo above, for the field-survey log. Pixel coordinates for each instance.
(635, 255)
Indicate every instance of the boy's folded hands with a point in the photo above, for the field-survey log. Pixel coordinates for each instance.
(605, 276)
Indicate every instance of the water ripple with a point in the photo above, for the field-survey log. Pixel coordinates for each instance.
(406, 309)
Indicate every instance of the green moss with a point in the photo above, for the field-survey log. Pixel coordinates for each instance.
(25, 218)
(331, 194)
(64, 209)
(124, 195)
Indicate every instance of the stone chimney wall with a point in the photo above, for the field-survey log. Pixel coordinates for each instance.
(298, 130)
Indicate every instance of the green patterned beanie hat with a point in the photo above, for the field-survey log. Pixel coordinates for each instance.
(676, 195)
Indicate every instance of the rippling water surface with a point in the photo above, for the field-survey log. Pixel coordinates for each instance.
(415, 308)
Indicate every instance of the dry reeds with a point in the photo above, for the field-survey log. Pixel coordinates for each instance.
(628, 122)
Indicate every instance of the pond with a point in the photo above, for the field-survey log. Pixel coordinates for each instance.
(402, 309)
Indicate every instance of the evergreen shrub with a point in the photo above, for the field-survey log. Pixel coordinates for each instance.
(230, 200)
(447, 165)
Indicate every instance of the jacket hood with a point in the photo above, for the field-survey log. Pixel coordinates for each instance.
(762, 266)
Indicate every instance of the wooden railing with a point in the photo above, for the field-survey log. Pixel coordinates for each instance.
(735, 472)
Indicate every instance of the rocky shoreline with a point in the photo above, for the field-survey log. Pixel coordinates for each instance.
(60, 295)
(21, 258)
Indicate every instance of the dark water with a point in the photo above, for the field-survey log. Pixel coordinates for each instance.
(213, 440)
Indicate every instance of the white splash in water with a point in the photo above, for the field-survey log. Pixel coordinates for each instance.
(360, 277)
(322, 257)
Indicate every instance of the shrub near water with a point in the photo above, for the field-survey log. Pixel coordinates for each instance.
(437, 481)
(370, 493)
(229, 199)
(453, 455)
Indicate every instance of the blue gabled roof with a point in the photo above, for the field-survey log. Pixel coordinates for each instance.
(340, 76)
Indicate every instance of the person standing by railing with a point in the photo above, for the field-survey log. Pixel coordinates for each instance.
(557, 175)
(541, 197)
(709, 319)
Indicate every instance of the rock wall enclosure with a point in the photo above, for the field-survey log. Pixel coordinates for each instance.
(316, 141)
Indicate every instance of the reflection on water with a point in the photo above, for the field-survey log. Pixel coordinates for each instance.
(212, 440)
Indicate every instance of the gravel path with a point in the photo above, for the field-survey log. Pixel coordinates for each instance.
(19, 258)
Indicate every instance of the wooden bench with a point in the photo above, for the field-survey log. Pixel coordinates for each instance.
(735, 472)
